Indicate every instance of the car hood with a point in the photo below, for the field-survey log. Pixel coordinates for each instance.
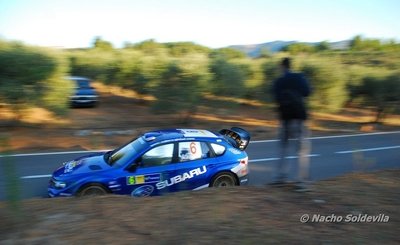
(85, 164)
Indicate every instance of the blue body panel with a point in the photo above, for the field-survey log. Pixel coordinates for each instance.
(129, 178)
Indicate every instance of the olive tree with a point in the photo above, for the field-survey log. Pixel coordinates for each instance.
(31, 76)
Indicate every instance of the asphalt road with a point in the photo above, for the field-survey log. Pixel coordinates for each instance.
(331, 156)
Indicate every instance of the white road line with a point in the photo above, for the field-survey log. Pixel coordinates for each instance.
(331, 136)
(251, 142)
(264, 159)
(36, 176)
(369, 149)
(50, 153)
(262, 141)
(277, 158)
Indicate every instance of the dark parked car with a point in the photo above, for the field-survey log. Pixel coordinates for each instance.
(84, 94)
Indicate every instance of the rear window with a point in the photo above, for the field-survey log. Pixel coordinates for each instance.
(218, 149)
(189, 151)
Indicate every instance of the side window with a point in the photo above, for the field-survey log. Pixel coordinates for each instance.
(218, 149)
(189, 151)
(158, 156)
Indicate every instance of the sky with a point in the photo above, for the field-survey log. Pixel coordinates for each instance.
(212, 23)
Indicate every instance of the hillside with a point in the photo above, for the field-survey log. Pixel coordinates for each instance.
(254, 50)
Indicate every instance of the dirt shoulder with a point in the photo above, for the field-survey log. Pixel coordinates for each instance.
(121, 116)
(243, 215)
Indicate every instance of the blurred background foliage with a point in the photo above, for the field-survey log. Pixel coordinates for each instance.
(32, 76)
(179, 74)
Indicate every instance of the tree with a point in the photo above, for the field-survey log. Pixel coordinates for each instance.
(271, 72)
(228, 78)
(31, 76)
(328, 83)
(265, 53)
(322, 46)
(359, 44)
(381, 93)
(149, 47)
(177, 92)
(227, 53)
(179, 49)
(298, 48)
(99, 43)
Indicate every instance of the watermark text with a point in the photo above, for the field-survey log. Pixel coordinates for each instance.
(349, 218)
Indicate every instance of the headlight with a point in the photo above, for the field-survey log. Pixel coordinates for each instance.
(59, 184)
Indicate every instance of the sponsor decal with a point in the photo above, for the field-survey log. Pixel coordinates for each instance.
(197, 133)
(141, 179)
(241, 169)
(130, 180)
(180, 178)
(152, 178)
(143, 191)
(235, 151)
(69, 166)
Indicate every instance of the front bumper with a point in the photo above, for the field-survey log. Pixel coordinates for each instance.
(52, 191)
(244, 180)
(57, 193)
(84, 100)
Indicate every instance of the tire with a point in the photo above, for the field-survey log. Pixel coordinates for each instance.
(224, 179)
(93, 190)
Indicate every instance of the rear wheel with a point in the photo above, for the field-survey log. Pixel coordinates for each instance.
(224, 179)
(93, 190)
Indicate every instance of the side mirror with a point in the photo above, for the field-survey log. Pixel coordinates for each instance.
(132, 168)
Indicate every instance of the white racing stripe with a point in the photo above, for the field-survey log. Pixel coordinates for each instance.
(201, 187)
(369, 149)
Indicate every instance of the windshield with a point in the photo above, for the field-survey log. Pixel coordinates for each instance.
(82, 83)
(121, 156)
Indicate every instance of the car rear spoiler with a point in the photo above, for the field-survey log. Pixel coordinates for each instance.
(238, 137)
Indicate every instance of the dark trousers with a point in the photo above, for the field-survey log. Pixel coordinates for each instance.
(297, 132)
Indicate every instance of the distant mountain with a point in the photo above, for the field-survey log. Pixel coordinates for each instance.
(254, 50)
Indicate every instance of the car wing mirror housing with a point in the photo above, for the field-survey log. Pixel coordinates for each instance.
(132, 168)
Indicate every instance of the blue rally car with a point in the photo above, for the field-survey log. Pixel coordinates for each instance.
(158, 162)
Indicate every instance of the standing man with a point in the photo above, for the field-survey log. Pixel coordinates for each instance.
(289, 92)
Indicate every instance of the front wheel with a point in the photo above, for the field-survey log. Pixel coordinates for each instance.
(93, 190)
(224, 180)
